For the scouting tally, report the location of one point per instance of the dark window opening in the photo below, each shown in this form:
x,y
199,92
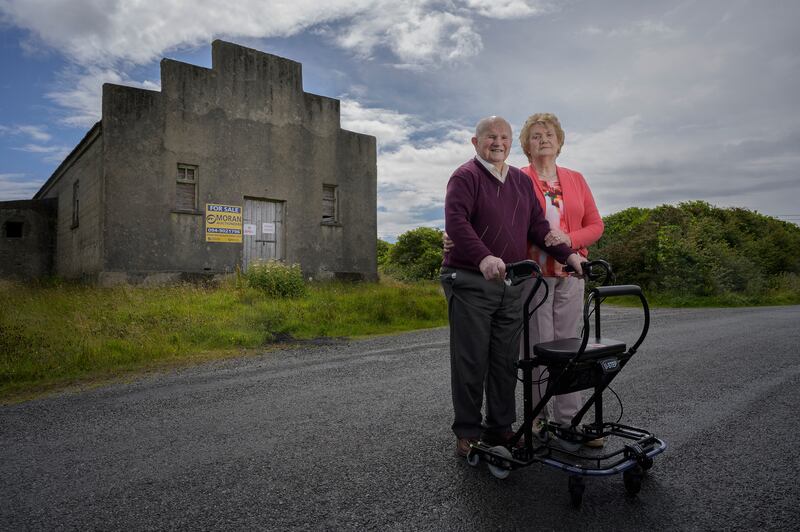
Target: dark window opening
x,y
75,204
186,188
12,229
330,201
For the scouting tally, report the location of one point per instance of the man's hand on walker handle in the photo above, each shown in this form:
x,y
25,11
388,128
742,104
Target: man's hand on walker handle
x,y
575,261
493,268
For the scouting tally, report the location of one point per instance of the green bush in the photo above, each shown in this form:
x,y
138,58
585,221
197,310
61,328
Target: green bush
x,y
276,279
697,250
383,248
416,256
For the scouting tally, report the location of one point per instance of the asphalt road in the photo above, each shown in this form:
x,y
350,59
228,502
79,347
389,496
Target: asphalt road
x,y
355,435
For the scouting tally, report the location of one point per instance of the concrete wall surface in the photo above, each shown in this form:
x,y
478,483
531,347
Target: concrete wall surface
x,y
79,243
27,238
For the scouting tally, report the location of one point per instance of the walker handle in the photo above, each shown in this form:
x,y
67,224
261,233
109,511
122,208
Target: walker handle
x,y
517,272
618,290
594,270
598,294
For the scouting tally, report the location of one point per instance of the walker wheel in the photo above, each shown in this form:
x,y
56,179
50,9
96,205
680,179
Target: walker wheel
x,y
498,471
473,458
646,463
633,479
576,488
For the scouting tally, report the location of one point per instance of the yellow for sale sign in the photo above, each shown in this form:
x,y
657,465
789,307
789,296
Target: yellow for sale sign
x,y
223,223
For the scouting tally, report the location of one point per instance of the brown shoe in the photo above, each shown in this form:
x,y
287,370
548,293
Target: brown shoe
x,y
463,446
595,443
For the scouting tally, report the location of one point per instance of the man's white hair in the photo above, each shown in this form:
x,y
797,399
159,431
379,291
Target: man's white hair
x,y
484,123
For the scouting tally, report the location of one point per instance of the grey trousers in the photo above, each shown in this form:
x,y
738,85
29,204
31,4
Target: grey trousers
x,y
485,324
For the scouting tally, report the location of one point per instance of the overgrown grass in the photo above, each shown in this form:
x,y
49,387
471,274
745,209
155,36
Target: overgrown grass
x,y
723,300
55,336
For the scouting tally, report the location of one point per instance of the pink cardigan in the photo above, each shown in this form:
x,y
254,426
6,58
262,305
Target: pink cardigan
x,y
584,224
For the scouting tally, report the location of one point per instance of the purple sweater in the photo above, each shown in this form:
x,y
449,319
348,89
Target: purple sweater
x,y
486,217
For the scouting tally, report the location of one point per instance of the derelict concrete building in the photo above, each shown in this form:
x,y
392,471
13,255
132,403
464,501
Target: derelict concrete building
x,y
222,167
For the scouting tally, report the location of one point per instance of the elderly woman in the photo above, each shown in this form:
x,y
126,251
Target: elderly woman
x,y
574,220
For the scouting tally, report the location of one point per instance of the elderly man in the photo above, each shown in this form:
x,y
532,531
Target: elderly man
x,y
490,214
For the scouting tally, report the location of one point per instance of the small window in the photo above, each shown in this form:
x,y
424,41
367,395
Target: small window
x,y
12,229
186,188
76,204
330,204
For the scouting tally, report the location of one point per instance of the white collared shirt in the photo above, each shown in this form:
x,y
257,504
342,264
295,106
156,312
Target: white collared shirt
x,y
500,175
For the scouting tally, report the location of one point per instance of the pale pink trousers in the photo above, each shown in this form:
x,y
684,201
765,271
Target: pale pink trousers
x,y
560,316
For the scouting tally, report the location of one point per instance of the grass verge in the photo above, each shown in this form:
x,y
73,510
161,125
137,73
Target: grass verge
x,y
56,337
65,336
656,299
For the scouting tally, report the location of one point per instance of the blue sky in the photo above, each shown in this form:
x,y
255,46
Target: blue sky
x,y
662,101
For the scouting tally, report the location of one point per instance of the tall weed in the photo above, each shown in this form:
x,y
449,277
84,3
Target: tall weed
x,y
277,279
56,335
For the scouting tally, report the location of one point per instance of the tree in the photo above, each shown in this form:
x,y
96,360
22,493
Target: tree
x,y
384,248
417,255
697,249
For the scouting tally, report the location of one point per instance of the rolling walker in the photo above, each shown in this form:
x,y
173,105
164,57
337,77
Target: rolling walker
x,y
573,364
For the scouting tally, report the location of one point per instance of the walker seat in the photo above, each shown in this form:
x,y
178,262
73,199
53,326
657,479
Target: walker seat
x,y
561,351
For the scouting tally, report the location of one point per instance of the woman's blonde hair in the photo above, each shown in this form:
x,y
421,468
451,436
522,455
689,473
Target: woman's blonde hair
x,y
544,119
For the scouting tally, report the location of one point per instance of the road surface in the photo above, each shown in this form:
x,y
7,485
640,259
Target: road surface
x,y
355,436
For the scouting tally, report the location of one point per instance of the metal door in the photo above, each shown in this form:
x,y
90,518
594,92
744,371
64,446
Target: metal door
x,y
264,237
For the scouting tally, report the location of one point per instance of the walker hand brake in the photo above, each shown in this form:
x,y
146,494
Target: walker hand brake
x,y
594,270
517,272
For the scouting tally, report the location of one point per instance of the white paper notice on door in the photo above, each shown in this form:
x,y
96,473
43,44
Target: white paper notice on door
x,y
268,228
250,229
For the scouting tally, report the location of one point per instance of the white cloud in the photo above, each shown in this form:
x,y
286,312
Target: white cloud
x,y
510,9
101,33
14,186
424,169
103,39
106,33
37,133
625,30
413,178
431,37
80,92
51,154
415,160
36,148
625,162
632,162
418,33
607,150
390,128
